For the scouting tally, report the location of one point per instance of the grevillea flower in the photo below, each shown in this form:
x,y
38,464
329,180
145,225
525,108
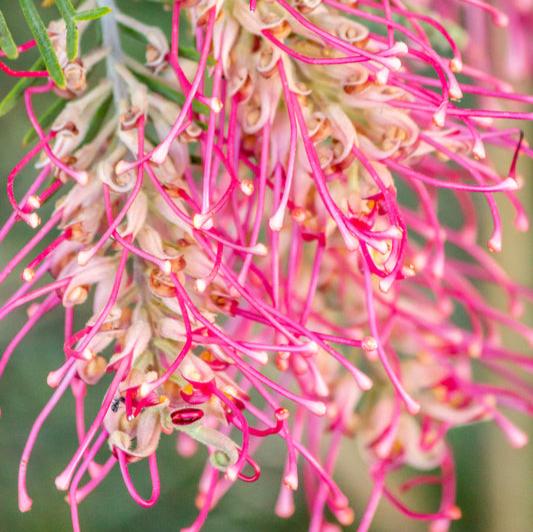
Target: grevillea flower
x,y
252,220
481,19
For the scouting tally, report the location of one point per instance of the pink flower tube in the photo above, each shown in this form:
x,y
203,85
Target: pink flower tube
x,y
257,221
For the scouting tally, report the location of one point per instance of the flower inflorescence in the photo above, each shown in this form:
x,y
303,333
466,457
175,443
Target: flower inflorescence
x,y
229,211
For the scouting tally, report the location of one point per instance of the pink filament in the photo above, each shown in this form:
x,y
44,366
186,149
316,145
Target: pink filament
x,y
154,474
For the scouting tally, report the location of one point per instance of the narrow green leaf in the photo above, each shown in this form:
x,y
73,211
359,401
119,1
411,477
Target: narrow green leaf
x,y
130,32
10,99
39,32
91,14
46,119
67,12
72,39
97,121
161,88
188,52
151,138
7,44
65,8
168,92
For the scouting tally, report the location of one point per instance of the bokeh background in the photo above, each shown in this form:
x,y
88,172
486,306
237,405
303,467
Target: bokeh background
x,y
495,482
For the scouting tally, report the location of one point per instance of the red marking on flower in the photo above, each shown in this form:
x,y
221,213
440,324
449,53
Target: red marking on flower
x,y
186,416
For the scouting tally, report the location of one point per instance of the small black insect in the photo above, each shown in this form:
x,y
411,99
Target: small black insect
x,y
116,403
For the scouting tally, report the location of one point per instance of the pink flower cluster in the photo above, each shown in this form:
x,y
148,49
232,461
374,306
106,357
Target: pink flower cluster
x,y
230,214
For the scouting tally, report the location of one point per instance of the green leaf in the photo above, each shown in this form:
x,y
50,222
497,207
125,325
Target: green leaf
x,y
72,39
97,120
40,34
67,12
194,55
7,44
10,99
130,32
168,92
161,88
151,138
65,8
91,14
46,119
188,52
72,19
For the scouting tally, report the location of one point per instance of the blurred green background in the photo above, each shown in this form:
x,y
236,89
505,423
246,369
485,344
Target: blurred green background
x,y
494,485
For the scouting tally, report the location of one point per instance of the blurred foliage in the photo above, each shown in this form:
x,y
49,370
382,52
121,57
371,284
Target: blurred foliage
x,y
494,482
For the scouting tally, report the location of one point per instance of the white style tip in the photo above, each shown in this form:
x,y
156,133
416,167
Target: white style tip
x,y
84,257
34,220
201,285
260,249
62,481
25,502
276,222
160,153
